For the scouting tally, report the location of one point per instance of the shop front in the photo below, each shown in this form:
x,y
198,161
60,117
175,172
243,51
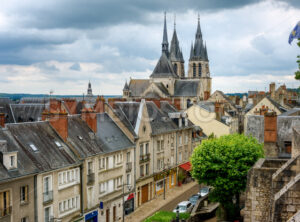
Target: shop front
x,y
91,217
185,170
129,204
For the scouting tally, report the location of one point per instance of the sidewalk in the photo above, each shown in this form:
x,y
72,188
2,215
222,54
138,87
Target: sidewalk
x,y
149,208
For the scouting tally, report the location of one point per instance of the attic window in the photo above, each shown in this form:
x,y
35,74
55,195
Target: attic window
x,y
33,147
58,144
80,137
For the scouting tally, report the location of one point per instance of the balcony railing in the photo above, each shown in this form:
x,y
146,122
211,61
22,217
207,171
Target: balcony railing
x,y
144,158
5,211
91,178
128,166
47,196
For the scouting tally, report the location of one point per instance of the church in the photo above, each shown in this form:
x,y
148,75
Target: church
x,y
169,80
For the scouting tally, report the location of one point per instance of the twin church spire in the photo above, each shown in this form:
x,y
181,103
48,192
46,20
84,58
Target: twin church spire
x,y
198,52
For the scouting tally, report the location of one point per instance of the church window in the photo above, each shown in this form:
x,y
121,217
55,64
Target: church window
x,y
194,70
207,69
200,70
175,68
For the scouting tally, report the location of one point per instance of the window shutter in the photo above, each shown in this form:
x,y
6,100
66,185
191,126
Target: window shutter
x,y
26,193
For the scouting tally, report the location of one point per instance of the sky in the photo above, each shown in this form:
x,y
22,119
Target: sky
x,y
61,45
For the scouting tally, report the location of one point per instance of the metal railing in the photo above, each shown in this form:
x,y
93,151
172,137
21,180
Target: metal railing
x,y
91,178
145,157
47,196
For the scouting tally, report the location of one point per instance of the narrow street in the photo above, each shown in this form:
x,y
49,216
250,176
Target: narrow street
x,y
185,196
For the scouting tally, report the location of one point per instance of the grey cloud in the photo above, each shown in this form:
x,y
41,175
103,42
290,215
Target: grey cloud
x,y
75,66
45,67
262,44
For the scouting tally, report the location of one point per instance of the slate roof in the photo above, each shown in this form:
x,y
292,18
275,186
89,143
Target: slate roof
x,y
198,51
25,166
277,105
138,86
130,110
81,138
163,68
175,52
48,156
27,112
121,115
110,135
292,112
162,88
5,108
209,106
186,88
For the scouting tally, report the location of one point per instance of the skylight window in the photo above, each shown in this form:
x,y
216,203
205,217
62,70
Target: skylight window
x,y
33,147
80,137
58,144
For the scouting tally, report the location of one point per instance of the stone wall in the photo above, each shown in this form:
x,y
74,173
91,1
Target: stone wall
x,y
285,126
255,127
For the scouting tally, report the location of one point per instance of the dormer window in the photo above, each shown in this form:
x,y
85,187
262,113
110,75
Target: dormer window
x,y
58,144
33,147
12,161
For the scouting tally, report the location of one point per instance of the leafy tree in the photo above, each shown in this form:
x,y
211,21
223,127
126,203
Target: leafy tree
x,y
297,73
223,163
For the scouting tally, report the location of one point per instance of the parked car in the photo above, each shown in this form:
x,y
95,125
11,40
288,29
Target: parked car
x,y
194,198
184,207
204,191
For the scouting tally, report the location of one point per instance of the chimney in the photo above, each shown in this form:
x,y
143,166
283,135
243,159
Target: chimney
x,y
272,90
218,110
99,105
90,117
270,131
176,103
281,99
206,95
59,121
71,105
55,106
2,120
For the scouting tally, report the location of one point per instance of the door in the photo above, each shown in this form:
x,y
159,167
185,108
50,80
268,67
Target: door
x,y
114,214
107,215
144,193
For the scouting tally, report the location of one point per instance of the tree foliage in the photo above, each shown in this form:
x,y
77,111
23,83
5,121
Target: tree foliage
x,y
223,163
297,73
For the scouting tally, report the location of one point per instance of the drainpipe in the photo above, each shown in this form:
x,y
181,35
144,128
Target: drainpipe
x,y
134,158
81,188
35,198
176,159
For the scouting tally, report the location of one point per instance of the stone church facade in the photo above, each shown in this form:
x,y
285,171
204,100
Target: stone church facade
x,y
168,79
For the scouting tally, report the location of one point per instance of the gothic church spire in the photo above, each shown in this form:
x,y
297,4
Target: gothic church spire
x,y
165,43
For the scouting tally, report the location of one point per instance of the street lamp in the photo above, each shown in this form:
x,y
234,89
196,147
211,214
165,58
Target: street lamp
x,y
165,170
129,188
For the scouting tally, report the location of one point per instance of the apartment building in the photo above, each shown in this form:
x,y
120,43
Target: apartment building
x,y
158,152
16,181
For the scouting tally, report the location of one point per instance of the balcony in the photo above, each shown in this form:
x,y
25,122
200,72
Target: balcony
x,y
128,167
5,211
145,158
90,178
47,196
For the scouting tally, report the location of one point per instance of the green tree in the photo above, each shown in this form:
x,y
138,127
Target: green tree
x,y
297,73
223,163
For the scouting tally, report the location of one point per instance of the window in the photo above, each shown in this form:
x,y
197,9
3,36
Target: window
x,y
159,185
172,179
142,170
194,70
199,70
186,139
33,147
141,149
147,169
180,140
69,206
147,148
128,159
158,145
180,156
207,69
47,213
162,145
288,146
90,167
128,179
4,203
24,194
172,160
80,137
12,161
24,219
47,184
58,144
101,163
110,162
175,68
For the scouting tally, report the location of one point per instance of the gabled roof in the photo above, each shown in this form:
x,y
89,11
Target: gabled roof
x,y
25,166
164,68
42,136
110,135
186,88
81,138
138,86
130,110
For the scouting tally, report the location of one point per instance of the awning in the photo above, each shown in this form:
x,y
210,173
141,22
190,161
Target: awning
x,y
130,196
186,166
